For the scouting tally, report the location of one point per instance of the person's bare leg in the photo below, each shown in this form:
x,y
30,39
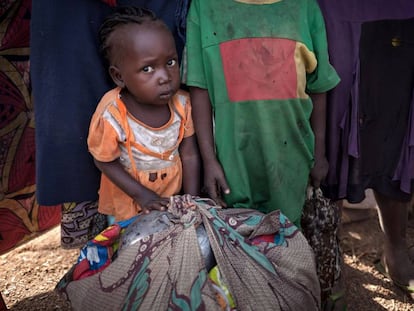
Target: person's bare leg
x,y
411,223
393,217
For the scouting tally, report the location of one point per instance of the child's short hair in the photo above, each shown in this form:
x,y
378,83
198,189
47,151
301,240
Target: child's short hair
x,y
122,16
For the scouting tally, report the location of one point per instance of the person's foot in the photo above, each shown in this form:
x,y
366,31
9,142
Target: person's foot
x,y
398,266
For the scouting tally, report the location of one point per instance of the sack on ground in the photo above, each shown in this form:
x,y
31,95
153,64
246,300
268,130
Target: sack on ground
x,y
264,261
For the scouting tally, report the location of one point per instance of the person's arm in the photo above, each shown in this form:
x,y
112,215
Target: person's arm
x,y
318,123
214,179
190,158
147,199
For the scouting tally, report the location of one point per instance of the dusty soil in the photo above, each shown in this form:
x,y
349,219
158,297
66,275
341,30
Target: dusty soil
x,y
30,272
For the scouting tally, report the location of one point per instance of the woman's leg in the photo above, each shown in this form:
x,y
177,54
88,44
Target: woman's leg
x,y
393,216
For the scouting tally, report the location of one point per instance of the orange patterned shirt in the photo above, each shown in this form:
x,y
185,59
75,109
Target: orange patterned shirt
x,y
149,154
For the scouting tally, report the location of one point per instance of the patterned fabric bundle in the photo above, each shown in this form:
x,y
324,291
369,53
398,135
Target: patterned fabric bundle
x,y
320,223
166,271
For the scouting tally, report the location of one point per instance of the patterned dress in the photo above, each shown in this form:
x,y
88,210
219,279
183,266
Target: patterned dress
x,y
20,214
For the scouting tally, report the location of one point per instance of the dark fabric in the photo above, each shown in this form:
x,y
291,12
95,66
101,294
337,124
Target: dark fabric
x,y
386,87
20,214
68,80
3,306
343,25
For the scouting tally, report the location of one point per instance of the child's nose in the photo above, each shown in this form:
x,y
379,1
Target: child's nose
x,y
164,76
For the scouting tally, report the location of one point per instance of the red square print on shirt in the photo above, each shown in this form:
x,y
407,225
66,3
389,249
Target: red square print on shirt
x,y
259,68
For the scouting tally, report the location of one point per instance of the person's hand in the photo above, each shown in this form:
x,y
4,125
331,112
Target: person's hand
x,y
215,182
319,171
151,201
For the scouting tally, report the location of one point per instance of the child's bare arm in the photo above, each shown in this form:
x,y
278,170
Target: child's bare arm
x,y
190,158
147,199
318,123
214,179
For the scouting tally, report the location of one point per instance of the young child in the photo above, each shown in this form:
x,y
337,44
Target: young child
x,y
141,135
260,69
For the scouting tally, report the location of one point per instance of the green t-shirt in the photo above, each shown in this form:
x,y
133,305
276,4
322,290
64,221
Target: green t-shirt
x,y
259,62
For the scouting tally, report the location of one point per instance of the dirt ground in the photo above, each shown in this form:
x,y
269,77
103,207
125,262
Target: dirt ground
x,y
30,272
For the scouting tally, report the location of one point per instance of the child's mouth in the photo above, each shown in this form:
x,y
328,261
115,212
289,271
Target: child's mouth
x,y
166,95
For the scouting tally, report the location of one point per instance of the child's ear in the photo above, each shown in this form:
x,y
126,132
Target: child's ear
x,y
116,76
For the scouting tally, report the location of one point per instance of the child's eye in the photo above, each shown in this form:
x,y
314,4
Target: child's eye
x,y
171,62
147,69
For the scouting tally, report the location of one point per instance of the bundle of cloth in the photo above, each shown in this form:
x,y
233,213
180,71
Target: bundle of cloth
x,y
241,259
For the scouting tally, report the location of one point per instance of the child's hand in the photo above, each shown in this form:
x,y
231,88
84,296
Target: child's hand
x,y
152,201
319,171
215,182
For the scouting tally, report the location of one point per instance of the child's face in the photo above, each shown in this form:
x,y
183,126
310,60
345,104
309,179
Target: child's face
x,y
145,63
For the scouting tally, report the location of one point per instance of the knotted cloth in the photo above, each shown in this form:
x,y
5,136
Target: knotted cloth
x,y
166,271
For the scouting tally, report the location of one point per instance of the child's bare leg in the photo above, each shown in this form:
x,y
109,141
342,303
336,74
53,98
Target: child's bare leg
x,y
393,217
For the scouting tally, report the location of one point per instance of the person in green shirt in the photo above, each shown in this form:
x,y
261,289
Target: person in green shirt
x,y
258,72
